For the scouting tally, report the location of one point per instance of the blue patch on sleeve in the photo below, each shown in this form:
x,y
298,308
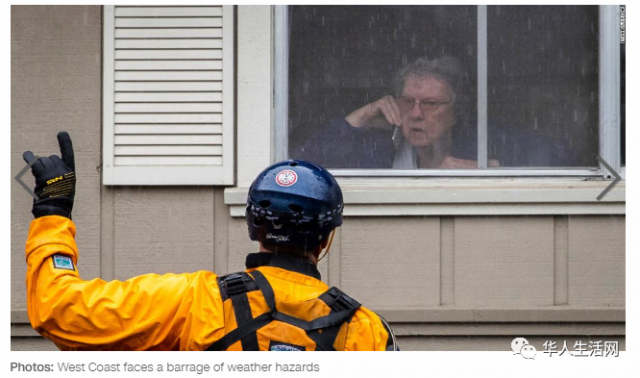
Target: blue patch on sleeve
x,y
63,262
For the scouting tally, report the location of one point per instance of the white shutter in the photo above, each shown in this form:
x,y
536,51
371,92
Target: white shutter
x,y
168,95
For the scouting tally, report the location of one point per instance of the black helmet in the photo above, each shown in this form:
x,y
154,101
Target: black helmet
x,y
294,203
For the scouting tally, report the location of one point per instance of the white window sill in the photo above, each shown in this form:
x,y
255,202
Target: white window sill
x,y
465,196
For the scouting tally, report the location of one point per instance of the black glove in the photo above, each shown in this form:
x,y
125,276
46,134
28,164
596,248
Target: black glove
x,y
55,180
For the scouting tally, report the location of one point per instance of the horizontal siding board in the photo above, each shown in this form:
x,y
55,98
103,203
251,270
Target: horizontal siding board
x,y
167,139
168,108
168,118
168,160
169,33
168,129
169,97
167,86
168,11
504,261
168,76
162,65
168,54
168,43
210,150
186,22
597,267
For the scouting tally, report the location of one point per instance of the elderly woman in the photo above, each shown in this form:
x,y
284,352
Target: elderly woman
x,y
409,130
429,101
426,124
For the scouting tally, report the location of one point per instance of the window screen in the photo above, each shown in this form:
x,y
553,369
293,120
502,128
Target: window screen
x,y
542,86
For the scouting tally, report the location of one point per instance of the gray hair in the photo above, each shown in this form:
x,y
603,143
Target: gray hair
x,y
445,68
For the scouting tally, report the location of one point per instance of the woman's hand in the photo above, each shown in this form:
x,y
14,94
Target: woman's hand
x,y
383,113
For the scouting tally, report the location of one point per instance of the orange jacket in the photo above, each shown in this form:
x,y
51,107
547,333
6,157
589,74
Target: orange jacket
x,y
157,312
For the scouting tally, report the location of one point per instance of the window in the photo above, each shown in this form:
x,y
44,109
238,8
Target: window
x,y
168,95
524,90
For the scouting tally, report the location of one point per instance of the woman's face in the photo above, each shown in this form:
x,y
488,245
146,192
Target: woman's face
x,y
424,124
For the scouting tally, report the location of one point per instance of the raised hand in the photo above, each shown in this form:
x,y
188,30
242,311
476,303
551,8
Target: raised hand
x,y
55,180
383,113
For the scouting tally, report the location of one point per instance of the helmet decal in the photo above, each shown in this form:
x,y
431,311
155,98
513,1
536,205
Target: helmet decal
x,y
286,177
278,238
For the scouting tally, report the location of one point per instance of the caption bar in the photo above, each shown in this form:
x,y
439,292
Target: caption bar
x,y
163,368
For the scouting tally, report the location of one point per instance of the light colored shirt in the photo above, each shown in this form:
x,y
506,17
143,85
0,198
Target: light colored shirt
x,y
406,157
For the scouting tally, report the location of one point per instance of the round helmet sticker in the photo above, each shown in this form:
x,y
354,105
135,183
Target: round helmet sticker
x,y
286,178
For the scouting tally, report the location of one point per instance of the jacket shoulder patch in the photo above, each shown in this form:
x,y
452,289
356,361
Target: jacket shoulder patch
x,y
63,262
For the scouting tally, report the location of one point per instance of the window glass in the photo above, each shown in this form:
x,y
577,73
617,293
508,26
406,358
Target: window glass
x,y
543,85
355,72
343,58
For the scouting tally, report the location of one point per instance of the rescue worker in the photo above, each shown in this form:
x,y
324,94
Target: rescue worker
x,y
278,303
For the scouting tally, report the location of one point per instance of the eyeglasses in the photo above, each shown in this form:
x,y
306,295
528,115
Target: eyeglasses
x,y
407,103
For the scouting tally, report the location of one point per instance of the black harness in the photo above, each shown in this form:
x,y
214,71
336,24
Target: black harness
x,y
323,330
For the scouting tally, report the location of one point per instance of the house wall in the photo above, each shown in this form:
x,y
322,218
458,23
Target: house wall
x,y
56,85
444,282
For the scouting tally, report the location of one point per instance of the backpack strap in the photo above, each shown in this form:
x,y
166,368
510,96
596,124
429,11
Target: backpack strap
x,y
247,329
235,283
267,291
236,286
338,301
342,309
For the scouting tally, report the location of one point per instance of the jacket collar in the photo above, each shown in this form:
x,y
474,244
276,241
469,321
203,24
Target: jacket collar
x,y
296,264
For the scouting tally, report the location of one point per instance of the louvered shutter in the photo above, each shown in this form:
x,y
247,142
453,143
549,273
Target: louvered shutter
x,y
168,95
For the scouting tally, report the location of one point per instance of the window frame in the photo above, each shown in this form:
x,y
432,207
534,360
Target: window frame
x,y
392,196
609,106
